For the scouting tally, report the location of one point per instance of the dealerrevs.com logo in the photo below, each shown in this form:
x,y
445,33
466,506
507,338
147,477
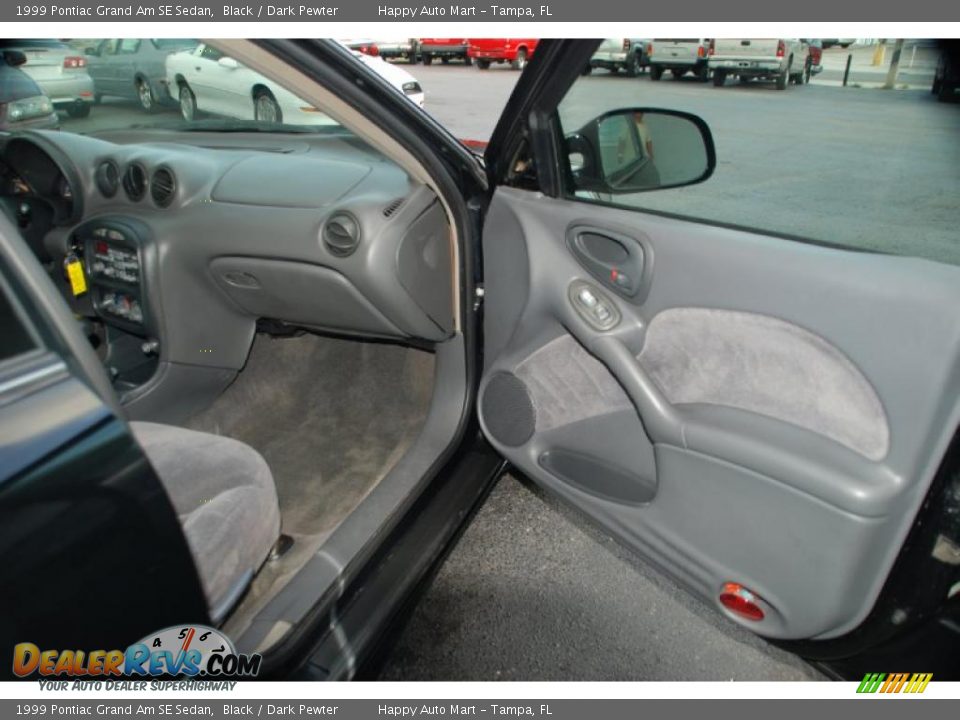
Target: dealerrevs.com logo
x,y
190,650
912,683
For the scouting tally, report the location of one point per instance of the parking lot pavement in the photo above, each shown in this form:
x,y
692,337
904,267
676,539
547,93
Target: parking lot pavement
x,y
534,592
862,167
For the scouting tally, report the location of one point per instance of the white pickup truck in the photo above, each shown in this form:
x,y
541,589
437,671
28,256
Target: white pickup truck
x,y
780,59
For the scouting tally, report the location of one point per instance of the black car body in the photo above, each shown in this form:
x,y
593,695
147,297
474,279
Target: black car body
x,y
852,550
946,80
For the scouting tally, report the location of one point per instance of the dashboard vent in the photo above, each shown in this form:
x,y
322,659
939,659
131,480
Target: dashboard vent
x,y
341,234
392,207
135,182
163,186
107,178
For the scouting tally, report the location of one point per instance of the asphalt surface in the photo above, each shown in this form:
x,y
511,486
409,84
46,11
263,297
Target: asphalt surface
x,y
533,591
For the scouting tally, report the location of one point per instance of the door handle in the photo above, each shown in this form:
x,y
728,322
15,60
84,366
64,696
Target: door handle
x,y
618,261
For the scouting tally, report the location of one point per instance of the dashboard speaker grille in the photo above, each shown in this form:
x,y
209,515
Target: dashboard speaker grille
x,y
392,207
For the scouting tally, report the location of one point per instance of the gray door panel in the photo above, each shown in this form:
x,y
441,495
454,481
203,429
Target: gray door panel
x,y
762,411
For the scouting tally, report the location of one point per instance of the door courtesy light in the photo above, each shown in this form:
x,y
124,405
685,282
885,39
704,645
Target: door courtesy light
x,y
740,601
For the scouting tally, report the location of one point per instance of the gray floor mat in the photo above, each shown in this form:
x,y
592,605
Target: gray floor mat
x,y
534,592
330,417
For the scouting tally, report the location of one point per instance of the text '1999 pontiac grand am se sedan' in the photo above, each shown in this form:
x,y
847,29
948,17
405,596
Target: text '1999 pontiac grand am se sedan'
x,y
255,376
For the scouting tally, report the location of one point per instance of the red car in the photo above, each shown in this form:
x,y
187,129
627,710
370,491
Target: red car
x,y
444,49
490,50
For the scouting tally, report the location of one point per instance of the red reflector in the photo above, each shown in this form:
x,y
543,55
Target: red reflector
x,y
737,599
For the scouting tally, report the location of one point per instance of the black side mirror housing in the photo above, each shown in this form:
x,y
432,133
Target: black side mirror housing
x,y
640,149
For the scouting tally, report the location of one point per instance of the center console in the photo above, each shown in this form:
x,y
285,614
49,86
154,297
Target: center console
x,y
113,251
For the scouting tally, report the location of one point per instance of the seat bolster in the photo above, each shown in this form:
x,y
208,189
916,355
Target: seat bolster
x,y
226,499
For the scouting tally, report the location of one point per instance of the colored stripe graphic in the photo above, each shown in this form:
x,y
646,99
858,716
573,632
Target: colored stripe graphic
x,y
894,683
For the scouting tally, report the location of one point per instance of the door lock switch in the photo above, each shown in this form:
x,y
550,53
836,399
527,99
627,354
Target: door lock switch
x,y
593,306
621,279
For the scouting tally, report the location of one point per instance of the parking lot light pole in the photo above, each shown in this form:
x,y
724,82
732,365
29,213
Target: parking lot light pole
x,y
894,66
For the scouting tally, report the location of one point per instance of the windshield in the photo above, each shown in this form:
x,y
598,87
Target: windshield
x,y
110,84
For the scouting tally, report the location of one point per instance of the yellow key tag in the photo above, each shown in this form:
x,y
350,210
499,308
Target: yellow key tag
x,y
78,282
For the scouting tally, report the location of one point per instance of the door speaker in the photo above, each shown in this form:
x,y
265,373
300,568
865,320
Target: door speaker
x,y
508,410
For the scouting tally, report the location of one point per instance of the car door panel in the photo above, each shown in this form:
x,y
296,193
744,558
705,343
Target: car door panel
x,y
766,412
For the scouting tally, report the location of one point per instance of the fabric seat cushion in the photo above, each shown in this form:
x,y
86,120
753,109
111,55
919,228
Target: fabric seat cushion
x,y
224,494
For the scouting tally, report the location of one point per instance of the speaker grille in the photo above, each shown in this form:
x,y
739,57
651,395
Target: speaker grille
x,y
508,411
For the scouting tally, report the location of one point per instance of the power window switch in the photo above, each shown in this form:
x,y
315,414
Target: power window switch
x,y
588,299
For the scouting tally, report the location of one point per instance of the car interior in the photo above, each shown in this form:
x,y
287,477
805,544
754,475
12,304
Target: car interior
x,y
273,313
761,418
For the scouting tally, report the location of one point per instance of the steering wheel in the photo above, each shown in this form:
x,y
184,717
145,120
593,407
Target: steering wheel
x,y
33,218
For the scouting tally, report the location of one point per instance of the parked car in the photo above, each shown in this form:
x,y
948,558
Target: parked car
x,y
842,42
363,45
206,81
946,79
517,52
680,56
22,102
784,60
816,55
406,49
379,323
615,54
445,49
60,73
134,69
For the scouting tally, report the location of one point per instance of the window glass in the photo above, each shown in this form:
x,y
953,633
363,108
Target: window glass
x,y
129,45
861,167
176,83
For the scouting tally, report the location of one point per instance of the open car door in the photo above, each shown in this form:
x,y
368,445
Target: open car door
x,y
768,421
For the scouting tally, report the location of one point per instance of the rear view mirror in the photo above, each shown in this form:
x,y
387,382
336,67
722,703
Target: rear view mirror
x,y
14,58
640,149
228,62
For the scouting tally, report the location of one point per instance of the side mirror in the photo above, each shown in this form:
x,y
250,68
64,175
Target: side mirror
x,y
14,58
228,62
639,149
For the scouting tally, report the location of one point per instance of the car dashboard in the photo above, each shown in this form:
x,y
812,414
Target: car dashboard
x,y
190,241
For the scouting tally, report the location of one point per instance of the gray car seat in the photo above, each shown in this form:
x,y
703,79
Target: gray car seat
x,y
226,500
